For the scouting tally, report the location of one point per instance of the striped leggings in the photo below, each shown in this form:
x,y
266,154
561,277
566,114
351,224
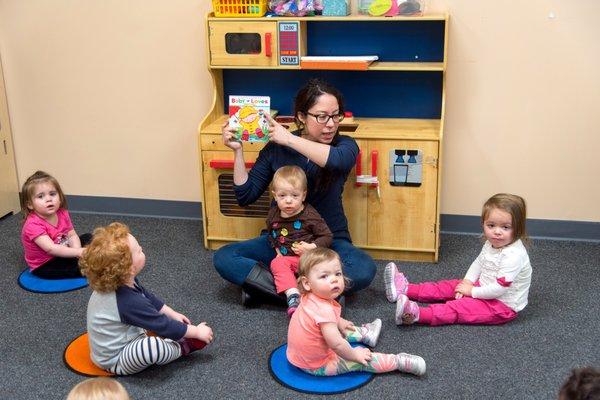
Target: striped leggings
x,y
145,351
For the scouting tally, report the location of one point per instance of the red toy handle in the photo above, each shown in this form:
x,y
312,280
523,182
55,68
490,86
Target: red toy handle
x,y
374,156
268,51
226,164
358,166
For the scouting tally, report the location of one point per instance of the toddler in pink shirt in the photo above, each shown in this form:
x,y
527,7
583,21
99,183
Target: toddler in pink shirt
x,y
319,338
52,247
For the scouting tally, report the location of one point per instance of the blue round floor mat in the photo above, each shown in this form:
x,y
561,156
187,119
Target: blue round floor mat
x,y
32,283
294,378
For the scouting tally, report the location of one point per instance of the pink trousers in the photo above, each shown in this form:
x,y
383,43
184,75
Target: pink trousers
x,y
284,270
448,310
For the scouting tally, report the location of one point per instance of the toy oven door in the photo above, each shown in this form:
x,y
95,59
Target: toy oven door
x,y
225,220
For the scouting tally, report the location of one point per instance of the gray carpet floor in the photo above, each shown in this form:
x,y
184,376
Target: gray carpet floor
x,y
526,359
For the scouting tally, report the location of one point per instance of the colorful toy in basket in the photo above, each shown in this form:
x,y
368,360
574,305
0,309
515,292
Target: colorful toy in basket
x,y
247,116
296,8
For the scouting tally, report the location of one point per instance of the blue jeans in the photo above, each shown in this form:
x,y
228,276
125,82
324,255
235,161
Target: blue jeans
x,y
235,260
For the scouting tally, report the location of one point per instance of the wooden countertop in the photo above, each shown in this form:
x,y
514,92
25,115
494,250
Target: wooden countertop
x,y
368,128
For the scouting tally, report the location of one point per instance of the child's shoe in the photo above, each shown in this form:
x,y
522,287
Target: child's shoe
x,y
410,363
407,311
189,345
246,299
370,332
395,282
293,301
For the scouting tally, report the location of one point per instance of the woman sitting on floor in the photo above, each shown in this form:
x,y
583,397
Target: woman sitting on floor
x,y
327,158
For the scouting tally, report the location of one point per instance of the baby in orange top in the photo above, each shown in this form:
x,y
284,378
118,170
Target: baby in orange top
x,y
318,338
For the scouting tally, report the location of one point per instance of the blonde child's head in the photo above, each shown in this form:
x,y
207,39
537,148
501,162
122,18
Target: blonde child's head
x,y
513,205
98,389
28,191
312,258
289,190
292,175
107,260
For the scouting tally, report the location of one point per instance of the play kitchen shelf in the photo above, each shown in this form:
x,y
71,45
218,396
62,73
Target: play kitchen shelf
x,y
391,198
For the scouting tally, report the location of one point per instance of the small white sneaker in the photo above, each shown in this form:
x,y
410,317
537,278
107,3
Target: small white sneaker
x,y
395,282
412,364
407,311
371,332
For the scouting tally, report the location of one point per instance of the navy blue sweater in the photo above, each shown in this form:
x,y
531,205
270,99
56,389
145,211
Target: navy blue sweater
x,y
327,201
116,318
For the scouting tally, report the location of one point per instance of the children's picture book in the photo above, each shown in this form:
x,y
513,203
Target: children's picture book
x,y
247,115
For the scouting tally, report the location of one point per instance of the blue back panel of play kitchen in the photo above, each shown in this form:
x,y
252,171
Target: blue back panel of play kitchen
x,y
408,41
375,94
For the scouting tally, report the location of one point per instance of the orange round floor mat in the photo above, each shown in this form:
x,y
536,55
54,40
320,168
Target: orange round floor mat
x,y
77,358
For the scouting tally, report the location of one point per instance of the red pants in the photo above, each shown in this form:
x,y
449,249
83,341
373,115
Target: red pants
x,y
284,270
466,310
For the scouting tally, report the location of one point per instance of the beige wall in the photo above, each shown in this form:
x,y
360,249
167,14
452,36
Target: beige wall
x,y
523,106
107,96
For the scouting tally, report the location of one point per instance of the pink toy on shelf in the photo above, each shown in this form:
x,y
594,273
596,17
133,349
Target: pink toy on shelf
x,y
393,9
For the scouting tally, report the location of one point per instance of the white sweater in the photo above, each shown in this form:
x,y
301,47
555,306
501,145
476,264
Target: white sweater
x,y
504,274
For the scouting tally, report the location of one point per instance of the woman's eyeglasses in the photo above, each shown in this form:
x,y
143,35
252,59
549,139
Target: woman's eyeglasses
x,y
324,118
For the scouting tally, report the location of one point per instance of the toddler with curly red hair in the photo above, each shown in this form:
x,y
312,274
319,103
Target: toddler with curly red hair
x,y
121,311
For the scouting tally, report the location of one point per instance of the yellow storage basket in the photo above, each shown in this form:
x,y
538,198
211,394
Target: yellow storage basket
x,y
239,8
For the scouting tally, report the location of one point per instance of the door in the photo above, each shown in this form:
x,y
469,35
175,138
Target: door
x,y
239,43
225,219
355,198
404,215
9,191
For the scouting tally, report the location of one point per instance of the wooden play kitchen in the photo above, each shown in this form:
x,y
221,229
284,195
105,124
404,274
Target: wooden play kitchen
x,y
392,198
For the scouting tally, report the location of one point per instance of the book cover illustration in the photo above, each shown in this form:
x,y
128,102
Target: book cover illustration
x,y
247,116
